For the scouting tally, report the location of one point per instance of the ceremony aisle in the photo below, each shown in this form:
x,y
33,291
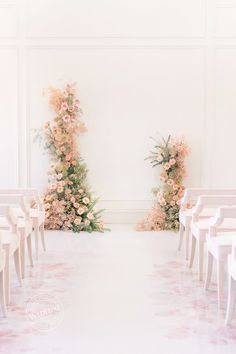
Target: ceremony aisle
x,y
121,292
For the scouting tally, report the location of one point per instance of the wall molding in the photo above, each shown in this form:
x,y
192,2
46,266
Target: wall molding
x,y
209,42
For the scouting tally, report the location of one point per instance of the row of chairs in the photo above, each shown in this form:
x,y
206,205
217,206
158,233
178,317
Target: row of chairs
x,y
21,212
208,217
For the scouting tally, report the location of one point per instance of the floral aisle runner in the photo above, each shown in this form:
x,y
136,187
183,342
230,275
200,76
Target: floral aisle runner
x,y
68,203
170,155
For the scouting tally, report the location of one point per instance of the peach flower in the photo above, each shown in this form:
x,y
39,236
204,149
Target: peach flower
x,y
85,200
59,189
167,166
170,182
80,210
77,221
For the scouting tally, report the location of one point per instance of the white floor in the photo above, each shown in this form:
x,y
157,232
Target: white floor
x,y
121,292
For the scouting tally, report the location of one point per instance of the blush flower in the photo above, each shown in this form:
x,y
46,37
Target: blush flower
x,y
85,200
64,106
80,210
66,118
90,216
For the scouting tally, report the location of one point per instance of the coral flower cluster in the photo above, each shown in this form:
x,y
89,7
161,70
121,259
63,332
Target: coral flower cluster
x,y
68,203
164,215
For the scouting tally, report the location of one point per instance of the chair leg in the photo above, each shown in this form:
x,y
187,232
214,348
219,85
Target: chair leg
x,y
22,255
231,300
209,267
187,229
181,235
2,294
7,277
42,236
193,247
36,233
220,283
29,248
200,259
17,262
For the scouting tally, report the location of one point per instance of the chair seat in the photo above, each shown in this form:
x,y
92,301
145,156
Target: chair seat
x,y
4,225
34,214
200,228
26,225
185,216
11,240
220,246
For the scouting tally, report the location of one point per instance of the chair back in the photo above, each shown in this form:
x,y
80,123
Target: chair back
x,y
29,193
191,195
205,201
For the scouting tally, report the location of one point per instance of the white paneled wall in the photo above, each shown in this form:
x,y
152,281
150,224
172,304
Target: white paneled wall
x,y
142,67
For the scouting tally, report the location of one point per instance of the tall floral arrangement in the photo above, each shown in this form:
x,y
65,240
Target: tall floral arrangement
x,y
68,203
169,154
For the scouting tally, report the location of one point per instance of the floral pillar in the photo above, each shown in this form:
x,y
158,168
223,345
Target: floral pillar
x,y
68,203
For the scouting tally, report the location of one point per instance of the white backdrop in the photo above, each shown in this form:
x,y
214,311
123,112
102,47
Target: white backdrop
x,y
141,67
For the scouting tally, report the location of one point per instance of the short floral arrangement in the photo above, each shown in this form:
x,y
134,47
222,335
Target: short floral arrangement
x,y
68,203
170,155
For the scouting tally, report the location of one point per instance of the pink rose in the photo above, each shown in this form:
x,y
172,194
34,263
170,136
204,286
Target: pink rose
x,y
64,106
53,186
87,222
46,125
90,216
66,118
76,205
172,161
77,102
72,199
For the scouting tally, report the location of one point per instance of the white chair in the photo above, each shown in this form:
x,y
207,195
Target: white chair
x,y
219,246
2,280
231,284
24,224
186,211
37,213
10,239
199,227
